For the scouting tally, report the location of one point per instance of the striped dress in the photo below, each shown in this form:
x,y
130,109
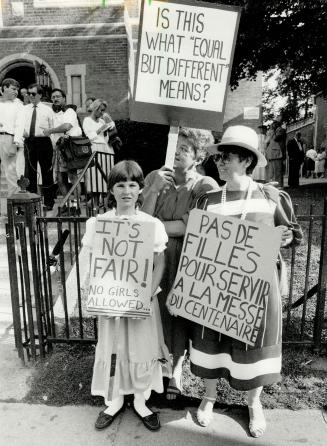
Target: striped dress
x,y
214,355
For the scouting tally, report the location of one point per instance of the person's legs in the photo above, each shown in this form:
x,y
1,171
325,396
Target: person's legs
x,y
140,406
150,419
174,386
31,165
205,410
114,406
257,424
269,171
63,184
8,154
45,156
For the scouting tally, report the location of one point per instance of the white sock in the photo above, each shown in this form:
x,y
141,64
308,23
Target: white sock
x,y
139,405
114,406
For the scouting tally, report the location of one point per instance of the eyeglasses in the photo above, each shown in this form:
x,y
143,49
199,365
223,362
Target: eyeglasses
x,y
30,93
223,157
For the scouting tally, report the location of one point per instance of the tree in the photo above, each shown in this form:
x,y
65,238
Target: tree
x,y
288,98
286,34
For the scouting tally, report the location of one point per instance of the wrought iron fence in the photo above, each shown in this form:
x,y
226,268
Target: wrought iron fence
x,y
46,275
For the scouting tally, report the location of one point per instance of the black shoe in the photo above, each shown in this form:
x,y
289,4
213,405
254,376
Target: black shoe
x,y
151,422
63,211
104,420
74,211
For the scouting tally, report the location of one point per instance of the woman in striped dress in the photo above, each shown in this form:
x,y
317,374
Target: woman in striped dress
x,y
214,355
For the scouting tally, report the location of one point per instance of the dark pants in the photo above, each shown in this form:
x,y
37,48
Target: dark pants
x,y
293,172
40,150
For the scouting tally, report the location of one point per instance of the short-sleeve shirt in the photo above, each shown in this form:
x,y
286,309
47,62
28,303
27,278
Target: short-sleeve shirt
x,y
66,117
176,202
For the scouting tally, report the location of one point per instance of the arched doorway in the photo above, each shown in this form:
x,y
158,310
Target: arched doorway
x,y
27,69
23,73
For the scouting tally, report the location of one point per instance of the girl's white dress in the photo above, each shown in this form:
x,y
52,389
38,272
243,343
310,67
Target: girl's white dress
x,y
99,144
141,347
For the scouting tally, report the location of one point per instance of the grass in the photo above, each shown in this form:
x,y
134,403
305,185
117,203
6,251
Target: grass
x,y
65,377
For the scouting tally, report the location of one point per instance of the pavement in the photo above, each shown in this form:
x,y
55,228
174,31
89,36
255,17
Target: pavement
x,y
24,424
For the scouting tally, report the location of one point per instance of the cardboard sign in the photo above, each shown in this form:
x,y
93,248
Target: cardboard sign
x,y
121,268
184,60
224,274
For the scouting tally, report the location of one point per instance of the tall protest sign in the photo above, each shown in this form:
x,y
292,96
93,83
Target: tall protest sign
x,y
224,274
184,61
121,268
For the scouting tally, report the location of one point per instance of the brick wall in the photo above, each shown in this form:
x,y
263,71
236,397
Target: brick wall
x,y
105,57
53,16
248,94
106,65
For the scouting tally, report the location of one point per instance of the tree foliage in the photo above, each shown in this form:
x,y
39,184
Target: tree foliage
x,y
285,34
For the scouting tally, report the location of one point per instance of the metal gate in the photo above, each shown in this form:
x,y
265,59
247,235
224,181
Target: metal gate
x,y
48,296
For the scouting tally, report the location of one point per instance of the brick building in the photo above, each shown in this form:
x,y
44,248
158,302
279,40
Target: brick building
x,y
84,47
87,48
81,49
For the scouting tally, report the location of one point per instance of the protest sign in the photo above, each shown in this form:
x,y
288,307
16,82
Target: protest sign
x,y
184,60
121,268
224,274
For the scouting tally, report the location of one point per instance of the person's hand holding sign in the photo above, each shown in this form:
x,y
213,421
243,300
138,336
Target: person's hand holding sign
x,y
287,235
169,307
163,179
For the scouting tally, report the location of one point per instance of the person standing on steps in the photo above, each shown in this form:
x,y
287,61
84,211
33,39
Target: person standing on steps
x,y
11,134
38,147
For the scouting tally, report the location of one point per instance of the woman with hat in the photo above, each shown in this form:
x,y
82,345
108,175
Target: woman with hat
x,y
214,355
169,195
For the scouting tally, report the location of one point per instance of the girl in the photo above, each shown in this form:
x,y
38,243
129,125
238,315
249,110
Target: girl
x,y
141,349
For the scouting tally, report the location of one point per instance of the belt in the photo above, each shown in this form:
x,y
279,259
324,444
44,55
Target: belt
x,y
6,133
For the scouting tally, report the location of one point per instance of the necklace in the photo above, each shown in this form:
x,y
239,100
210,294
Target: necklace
x,y
248,196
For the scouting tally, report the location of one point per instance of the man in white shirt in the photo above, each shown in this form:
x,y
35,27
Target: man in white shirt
x,y
38,148
65,122
11,133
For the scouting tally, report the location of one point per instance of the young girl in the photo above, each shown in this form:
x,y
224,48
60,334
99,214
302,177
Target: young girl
x,y
140,347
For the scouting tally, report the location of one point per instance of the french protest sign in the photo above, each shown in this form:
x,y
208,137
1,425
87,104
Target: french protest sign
x,y
224,274
121,268
184,60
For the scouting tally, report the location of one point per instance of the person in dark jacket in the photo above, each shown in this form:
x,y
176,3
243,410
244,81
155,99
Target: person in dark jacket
x,y
296,158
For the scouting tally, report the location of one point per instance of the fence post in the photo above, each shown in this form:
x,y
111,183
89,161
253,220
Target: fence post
x,y
322,285
22,208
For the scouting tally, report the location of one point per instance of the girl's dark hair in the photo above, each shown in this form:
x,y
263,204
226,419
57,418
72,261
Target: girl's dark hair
x,y
127,170
243,154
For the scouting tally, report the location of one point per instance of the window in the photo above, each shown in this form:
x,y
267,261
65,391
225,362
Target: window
x,y
77,98
73,3
76,85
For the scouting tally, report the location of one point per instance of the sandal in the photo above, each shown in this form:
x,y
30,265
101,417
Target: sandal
x,y
204,413
257,425
172,390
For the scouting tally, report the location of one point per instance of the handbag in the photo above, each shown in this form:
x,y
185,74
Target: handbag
x,y
75,150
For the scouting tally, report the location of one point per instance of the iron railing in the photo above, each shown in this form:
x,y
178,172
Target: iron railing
x,y
43,280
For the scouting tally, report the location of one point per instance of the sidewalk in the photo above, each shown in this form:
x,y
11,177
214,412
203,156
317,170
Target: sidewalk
x,y
32,425
35,425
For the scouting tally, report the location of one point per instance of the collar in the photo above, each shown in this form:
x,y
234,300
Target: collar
x,y
190,175
58,108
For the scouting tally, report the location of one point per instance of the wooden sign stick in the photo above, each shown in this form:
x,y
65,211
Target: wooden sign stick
x,y
113,362
171,146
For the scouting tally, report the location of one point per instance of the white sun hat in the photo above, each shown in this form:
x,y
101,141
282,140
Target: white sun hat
x,y
241,136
